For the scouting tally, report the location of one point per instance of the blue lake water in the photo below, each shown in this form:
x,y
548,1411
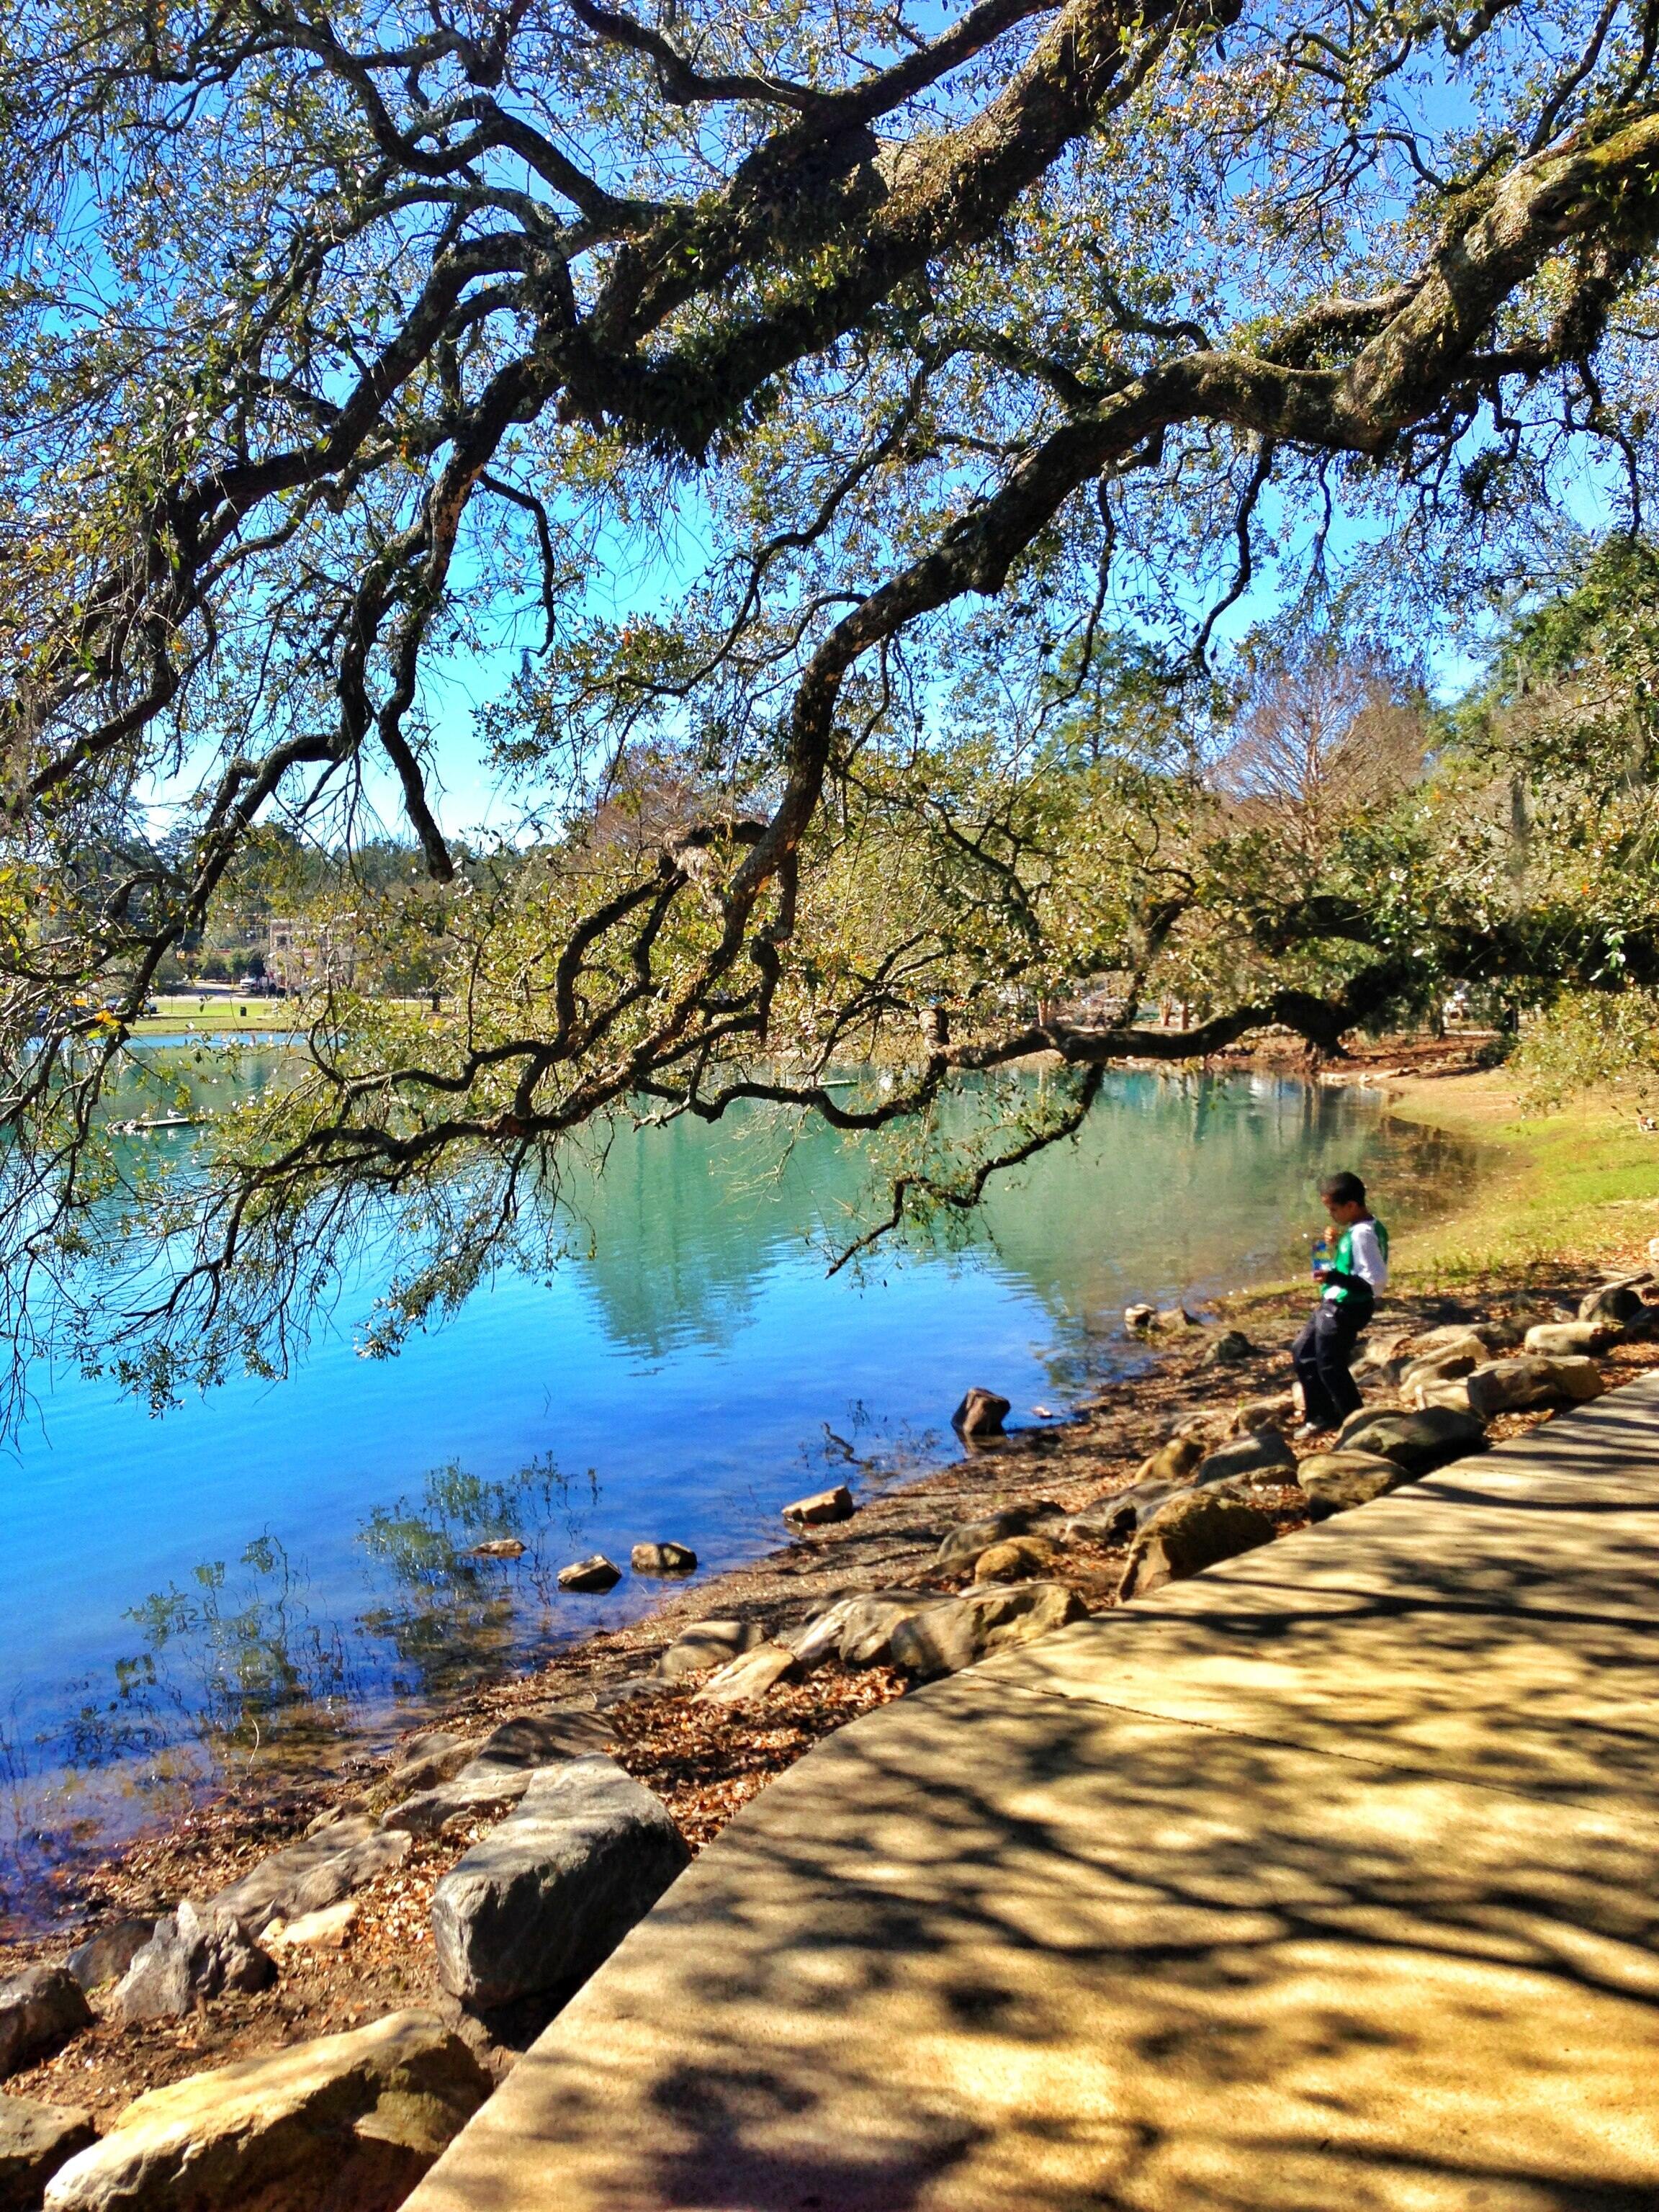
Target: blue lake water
x,y
275,1569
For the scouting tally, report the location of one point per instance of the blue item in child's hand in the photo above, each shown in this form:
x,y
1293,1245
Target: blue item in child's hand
x,y
1322,1256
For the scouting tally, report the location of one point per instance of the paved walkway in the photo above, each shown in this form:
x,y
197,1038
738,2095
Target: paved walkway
x,y
1328,1881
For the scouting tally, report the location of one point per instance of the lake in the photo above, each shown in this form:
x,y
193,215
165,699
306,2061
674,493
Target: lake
x,y
277,1569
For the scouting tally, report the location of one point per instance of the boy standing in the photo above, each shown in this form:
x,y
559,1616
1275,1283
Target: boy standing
x,y
1357,1270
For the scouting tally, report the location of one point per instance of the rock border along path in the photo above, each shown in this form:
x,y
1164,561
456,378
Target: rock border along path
x,y
1327,1879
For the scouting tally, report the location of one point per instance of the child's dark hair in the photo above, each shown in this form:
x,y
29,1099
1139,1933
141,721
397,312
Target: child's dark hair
x,y
1346,1189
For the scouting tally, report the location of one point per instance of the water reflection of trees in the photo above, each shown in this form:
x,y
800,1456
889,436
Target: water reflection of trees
x,y
453,1615
247,1663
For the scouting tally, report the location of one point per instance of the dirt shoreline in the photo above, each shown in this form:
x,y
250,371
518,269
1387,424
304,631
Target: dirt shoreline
x,y
705,1761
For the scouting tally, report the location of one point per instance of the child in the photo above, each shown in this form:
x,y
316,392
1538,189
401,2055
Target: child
x,y
1357,1270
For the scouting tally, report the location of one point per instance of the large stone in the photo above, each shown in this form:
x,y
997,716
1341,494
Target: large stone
x,y
1621,1302
35,2139
970,1538
473,1793
429,1760
1231,1349
822,1507
1114,1520
708,1643
106,1956
748,1677
591,1576
344,2124
315,1932
981,1413
854,1629
943,1638
1496,1335
1195,1531
1569,1340
1508,1386
304,1877
39,2010
663,1559
508,1758
538,1738
1452,1391
1420,1441
1338,1481
1258,1452
1016,1560
1175,1460
548,1896
1446,1363
1259,1413
196,1952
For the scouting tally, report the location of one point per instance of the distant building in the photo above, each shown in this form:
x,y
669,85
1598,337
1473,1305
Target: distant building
x,y
303,956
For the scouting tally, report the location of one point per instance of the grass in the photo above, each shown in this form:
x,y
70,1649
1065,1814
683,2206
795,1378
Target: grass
x,y
1552,1190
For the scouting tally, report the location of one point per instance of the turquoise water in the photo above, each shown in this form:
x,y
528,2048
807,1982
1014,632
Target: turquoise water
x,y
272,1570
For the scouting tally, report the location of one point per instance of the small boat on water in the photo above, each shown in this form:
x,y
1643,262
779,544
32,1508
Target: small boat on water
x,y
162,1122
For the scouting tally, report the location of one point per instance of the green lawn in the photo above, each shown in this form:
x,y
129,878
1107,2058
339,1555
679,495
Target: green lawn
x,y
1578,1185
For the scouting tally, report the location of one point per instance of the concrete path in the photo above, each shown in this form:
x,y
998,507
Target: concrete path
x,y
1328,1881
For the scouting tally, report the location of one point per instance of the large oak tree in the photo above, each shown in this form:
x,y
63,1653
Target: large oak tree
x,y
803,448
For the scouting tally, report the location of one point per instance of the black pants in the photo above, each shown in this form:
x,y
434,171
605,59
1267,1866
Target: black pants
x,y
1321,1358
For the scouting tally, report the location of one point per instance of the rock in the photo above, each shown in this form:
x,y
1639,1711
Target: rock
x,y
1260,1414
1137,1320
749,1677
315,1932
1419,1441
1175,1321
1338,1481
1258,1452
41,2009
196,1952
1507,1386
708,1643
1016,1560
969,1538
590,1574
1379,1352
1446,1362
35,2139
1621,1302
854,1629
106,1956
537,1739
981,1413
331,1815
1569,1340
474,1791
1495,1335
1192,1532
303,1877
497,1548
943,1638
1212,1427
345,2121
1229,1350
1445,1390
429,1760
508,1758
821,1507
663,1559
548,1895
1115,1519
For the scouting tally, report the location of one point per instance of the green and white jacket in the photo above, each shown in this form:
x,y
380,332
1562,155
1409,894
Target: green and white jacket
x,y
1359,1265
